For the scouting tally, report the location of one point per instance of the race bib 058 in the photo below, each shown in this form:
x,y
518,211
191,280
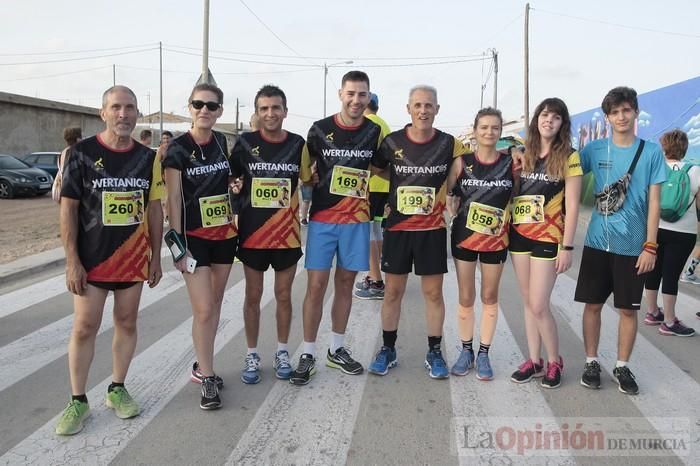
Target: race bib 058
x,y
485,219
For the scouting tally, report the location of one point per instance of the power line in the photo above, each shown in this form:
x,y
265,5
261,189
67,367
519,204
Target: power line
x,y
626,26
66,52
218,72
241,60
269,29
64,60
56,74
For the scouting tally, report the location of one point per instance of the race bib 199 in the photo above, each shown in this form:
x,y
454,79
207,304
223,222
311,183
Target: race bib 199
x,y
122,208
415,200
215,210
485,219
528,209
271,193
349,182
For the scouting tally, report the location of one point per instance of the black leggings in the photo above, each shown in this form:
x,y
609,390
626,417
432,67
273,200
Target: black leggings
x,y
674,248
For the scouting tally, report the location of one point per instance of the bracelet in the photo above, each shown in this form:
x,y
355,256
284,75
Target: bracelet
x,y
567,248
650,251
650,244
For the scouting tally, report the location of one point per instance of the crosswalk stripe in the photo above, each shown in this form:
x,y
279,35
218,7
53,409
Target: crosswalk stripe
x,y
38,292
314,423
30,353
155,376
666,391
479,401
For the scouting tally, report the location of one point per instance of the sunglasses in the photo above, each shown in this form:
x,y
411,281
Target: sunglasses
x,y
211,106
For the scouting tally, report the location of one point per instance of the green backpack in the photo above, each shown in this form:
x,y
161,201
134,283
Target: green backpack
x,y
675,193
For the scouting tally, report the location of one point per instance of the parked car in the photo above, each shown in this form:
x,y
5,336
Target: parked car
x,y
17,177
47,161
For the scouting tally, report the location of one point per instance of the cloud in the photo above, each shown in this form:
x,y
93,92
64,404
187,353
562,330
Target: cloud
x,y
643,123
644,115
694,122
694,133
596,114
694,142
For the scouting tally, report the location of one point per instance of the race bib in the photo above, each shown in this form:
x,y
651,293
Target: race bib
x,y
415,200
349,182
485,219
528,209
271,193
122,208
215,210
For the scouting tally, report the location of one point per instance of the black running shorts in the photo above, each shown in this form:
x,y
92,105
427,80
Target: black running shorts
x,y
602,273
519,244
207,251
113,286
485,257
425,250
262,259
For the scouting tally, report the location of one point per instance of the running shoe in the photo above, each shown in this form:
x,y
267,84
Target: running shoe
x,y
436,365
373,291
210,394
342,360
383,361
305,369
73,417
464,362
364,283
654,319
677,329
197,376
690,278
283,369
527,371
552,379
625,380
591,375
251,370
121,402
483,367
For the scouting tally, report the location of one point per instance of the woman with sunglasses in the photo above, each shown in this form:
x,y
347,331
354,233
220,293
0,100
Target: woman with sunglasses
x,y
545,212
197,176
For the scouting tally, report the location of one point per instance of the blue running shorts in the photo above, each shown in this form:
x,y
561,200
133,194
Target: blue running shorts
x,y
349,241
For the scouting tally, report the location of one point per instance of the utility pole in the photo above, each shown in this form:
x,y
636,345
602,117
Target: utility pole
x,y
114,75
237,115
527,65
495,78
206,76
325,78
160,112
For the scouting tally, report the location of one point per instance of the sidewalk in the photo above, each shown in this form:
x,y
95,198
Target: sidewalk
x,y
30,265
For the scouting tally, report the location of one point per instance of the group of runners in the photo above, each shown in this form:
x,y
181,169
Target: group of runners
x,y
525,202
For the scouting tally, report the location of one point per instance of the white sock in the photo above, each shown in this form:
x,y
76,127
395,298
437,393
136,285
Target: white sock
x,y
590,360
252,350
669,323
310,348
337,341
621,363
282,347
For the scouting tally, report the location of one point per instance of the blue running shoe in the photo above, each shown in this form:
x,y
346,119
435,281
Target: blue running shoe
x,y
465,361
437,367
251,372
383,361
283,369
483,367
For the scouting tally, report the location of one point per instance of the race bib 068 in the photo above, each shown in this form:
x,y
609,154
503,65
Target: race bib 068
x,y
215,210
271,193
485,219
528,209
349,182
415,200
122,208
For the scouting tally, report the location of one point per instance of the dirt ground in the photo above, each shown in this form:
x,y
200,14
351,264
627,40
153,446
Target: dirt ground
x,y
28,225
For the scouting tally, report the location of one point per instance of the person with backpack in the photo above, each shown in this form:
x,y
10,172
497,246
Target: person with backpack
x,y
677,234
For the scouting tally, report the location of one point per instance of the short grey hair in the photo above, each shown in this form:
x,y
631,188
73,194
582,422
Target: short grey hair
x,y
116,88
423,87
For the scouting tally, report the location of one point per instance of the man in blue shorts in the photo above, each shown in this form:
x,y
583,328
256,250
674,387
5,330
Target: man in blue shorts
x,y
340,148
620,245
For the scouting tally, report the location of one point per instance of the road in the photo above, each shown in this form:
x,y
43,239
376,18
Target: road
x,y
403,418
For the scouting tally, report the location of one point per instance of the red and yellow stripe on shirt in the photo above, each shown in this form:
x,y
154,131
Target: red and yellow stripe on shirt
x,y
281,231
128,263
218,233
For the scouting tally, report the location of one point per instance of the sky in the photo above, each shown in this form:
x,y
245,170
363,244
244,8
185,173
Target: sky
x,y
578,51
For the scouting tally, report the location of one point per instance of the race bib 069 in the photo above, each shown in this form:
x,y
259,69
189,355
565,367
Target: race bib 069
x,y
415,200
122,208
271,193
215,210
349,182
485,219
528,209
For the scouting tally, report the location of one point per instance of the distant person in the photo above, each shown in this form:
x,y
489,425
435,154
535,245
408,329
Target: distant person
x,y
146,137
165,138
372,286
676,240
620,245
108,179
254,122
71,135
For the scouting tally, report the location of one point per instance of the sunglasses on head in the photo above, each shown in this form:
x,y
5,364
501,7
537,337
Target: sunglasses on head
x,y
211,106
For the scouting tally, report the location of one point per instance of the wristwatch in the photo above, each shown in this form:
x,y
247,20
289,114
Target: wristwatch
x,y
567,248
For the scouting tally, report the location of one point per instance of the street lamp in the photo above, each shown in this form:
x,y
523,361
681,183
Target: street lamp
x,y
238,106
325,79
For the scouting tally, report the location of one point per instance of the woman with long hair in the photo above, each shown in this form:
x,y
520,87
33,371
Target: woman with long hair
x,y
545,212
197,177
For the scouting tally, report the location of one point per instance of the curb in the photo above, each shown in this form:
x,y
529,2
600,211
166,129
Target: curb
x,y
30,265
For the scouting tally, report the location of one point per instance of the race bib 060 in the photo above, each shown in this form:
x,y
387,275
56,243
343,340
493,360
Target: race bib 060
x,y
415,200
528,209
349,182
122,208
485,219
271,193
215,210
